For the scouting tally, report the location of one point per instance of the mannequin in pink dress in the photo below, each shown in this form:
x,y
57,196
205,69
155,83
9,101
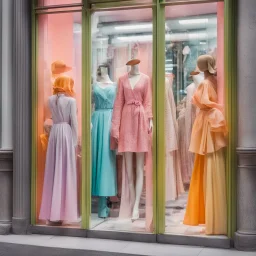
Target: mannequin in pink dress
x,y
131,125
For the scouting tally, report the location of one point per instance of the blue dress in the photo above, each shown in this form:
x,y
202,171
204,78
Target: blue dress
x,y
103,158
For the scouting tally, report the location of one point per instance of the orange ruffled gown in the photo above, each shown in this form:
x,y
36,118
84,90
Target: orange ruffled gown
x,y
207,194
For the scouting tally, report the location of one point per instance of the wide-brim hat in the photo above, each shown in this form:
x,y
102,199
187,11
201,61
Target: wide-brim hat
x,y
133,62
59,67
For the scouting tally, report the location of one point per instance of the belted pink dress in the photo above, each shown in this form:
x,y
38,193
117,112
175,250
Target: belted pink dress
x,y
131,113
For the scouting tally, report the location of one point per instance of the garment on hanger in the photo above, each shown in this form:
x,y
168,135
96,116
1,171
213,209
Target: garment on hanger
x,y
131,114
190,115
59,200
103,158
207,194
174,186
182,151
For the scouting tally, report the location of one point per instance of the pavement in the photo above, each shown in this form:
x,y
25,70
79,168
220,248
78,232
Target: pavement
x,y
44,245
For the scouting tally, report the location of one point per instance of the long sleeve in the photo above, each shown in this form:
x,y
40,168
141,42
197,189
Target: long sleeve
x,y
117,111
148,100
74,123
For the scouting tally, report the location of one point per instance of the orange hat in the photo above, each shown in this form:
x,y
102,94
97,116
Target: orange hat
x,y
59,67
133,62
64,84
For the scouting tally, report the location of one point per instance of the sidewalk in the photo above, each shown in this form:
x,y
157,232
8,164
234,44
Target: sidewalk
x,y
40,245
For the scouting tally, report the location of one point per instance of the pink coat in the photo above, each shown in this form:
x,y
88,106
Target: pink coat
x,y
131,114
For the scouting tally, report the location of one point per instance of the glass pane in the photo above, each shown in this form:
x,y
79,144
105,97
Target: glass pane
x,y
195,191
59,119
121,121
57,2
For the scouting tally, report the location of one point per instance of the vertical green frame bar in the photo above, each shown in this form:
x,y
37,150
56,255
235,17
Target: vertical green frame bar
x,y
230,45
34,113
159,131
86,113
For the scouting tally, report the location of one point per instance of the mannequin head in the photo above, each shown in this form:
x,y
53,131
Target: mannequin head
x,y
102,74
64,84
134,64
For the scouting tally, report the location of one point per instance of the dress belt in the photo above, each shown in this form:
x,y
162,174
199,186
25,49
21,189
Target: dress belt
x,y
61,123
102,109
136,106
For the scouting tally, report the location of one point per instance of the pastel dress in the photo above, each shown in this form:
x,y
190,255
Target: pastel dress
x,y
103,158
132,111
59,198
173,178
207,194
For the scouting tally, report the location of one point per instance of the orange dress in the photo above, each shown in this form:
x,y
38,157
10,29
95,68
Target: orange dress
x,y
207,194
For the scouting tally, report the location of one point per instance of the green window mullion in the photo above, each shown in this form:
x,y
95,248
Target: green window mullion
x,y
159,94
86,114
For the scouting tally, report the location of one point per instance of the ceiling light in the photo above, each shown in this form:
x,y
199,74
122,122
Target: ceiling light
x,y
134,27
202,42
135,38
193,21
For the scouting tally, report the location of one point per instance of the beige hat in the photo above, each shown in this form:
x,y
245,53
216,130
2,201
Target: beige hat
x,y
205,63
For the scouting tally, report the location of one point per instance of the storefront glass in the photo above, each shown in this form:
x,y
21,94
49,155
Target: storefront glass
x,y
195,126
122,102
122,185
59,119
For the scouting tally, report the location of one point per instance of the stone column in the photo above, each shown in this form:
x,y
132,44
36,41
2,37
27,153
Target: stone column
x,y
245,237
22,114
6,170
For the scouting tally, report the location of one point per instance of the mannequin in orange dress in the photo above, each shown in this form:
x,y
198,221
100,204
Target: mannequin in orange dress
x,y
207,195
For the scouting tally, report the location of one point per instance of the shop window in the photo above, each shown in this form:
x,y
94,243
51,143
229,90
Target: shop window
x,y
195,126
57,2
122,189
59,112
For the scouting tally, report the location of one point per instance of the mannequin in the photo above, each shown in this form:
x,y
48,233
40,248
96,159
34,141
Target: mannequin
x,y
102,75
134,77
131,125
207,194
59,199
103,158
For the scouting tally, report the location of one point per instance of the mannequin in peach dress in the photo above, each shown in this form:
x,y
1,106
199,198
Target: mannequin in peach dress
x,y
207,194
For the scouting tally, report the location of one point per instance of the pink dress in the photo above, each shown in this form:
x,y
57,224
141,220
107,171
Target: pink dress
x,y
131,114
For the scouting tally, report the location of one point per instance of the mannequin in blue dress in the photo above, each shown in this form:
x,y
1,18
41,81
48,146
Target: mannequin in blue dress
x,y
103,158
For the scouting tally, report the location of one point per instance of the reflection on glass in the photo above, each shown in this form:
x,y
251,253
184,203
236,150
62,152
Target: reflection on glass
x,y
122,121
57,2
58,120
192,31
